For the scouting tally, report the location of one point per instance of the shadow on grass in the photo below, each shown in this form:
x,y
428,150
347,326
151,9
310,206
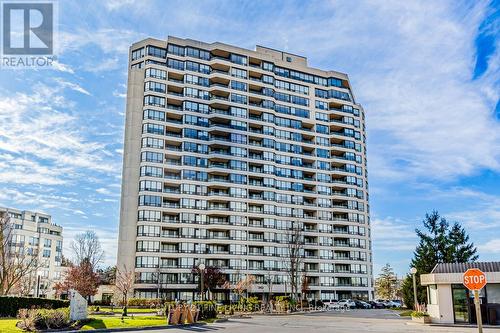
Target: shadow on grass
x,y
96,323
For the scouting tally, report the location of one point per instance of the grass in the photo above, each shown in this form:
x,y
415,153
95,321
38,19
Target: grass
x,y
8,325
97,322
129,310
406,313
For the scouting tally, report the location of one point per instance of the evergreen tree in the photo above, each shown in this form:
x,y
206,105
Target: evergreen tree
x,y
438,244
386,283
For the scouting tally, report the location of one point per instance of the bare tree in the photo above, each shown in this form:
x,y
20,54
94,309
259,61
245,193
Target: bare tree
x,y
86,246
16,262
124,282
295,247
26,285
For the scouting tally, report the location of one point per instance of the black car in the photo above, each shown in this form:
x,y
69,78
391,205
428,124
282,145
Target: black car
x,y
362,305
377,305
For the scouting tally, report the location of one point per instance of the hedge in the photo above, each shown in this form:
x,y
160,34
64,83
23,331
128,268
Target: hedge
x,y
9,306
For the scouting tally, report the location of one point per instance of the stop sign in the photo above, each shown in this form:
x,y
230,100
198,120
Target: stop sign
x,y
474,279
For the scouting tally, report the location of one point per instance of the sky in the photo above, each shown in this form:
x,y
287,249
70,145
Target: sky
x,y
426,72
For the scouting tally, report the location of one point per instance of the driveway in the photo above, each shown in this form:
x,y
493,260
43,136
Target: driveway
x,y
354,321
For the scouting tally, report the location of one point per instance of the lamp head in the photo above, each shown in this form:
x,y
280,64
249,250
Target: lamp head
x,y
201,267
413,270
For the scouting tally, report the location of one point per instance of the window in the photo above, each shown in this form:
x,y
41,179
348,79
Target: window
x,y
155,86
175,49
238,85
239,73
149,156
175,64
46,253
156,73
153,129
154,101
238,59
149,185
154,115
156,52
151,171
149,215
197,67
197,53
196,80
137,54
237,98
196,107
150,200
47,242
267,66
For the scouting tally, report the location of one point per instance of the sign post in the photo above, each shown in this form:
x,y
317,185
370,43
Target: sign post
x,y
475,280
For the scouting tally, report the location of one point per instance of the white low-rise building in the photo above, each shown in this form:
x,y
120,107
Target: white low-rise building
x,y
450,302
36,233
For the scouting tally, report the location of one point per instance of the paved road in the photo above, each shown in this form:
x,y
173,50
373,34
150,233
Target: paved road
x,y
379,321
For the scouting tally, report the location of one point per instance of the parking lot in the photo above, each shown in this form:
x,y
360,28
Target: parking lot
x,y
375,321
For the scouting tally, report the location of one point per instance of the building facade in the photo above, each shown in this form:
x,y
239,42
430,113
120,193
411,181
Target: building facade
x,y
37,235
450,302
229,150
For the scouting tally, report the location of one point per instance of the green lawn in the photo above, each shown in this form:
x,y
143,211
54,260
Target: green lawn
x,y
119,310
110,322
8,326
406,313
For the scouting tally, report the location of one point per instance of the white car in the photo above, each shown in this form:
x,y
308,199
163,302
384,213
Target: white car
x,y
347,303
331,304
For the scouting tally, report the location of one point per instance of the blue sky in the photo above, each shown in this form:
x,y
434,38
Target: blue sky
x,y
427,73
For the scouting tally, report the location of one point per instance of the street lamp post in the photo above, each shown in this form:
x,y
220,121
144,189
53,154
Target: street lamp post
x,y
413,271
38,277
201,268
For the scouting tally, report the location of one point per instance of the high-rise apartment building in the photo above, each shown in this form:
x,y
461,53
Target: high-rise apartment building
x,y
35,234
227,152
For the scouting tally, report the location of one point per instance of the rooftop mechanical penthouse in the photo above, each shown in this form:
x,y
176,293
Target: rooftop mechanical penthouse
x,y
228,150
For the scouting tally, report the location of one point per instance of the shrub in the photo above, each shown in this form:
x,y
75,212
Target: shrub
x,y
208,309
9,306
27,319
419,314
145,302
41,319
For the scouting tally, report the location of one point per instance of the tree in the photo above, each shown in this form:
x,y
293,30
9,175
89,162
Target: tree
x,y
304,287
244,284
107,275
87,247
124,283
438,244
213,277
295,249
82,278
16,262
386,283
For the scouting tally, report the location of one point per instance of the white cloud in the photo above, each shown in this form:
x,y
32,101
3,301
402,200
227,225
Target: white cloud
x,y
72,86
490,247
62,67
393,234
411,65
40,144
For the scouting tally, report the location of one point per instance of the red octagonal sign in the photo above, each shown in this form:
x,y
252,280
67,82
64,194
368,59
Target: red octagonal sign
x,y
474,279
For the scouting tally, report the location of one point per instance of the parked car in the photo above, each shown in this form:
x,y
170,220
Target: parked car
x,y
331,304
362,304
390,304
377,305
347,303
398,303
